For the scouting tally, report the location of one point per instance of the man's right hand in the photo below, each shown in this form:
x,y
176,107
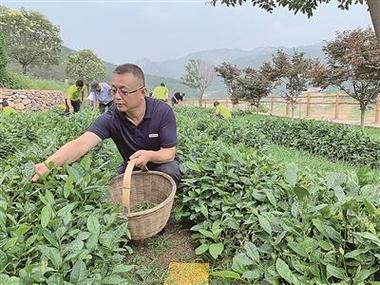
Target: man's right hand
x,y
40,169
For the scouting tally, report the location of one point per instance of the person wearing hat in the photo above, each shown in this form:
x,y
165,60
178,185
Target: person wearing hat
x,y
74,96
100,96
221,110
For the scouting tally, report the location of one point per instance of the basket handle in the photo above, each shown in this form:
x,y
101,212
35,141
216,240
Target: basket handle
x,y
127,184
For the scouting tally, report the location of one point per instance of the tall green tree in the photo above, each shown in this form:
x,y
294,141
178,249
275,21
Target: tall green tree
x,y
31,39
309,6
86,65
248,85
290,71
230,73
353,65
198,75
252,86
3,61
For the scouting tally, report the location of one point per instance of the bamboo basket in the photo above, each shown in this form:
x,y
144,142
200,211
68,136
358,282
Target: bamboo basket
x,y
143,186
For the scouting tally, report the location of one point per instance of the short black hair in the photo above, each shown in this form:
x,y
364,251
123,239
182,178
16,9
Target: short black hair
x,y
216,103
162,84
79,83
131,68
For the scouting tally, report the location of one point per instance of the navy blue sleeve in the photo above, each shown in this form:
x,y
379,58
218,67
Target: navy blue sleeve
x,y
102,126
168,130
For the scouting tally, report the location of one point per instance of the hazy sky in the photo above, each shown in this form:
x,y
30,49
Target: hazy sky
x,y
123,31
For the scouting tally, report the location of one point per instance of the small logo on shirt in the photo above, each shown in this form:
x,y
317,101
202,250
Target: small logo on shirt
x,y
153,135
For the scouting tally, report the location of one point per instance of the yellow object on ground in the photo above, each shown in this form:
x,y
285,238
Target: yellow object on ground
x,y
61,106
187,274
8,110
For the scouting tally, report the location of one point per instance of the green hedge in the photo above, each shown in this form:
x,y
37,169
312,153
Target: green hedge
x,y
337,142
19,81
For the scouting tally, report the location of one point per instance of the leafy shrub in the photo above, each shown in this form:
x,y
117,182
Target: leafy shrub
x,y
19,81
62,229
337,142
278,225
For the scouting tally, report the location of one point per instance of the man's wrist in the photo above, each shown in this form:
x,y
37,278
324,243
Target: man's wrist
x,y
151,155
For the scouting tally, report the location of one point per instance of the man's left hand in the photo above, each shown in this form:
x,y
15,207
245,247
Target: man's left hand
x,y
142,157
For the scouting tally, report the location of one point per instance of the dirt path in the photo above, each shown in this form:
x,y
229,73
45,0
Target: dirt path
x,y
152,257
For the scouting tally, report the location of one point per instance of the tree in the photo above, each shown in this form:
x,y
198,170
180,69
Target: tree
x,y
289,71
229,72
252,86
31,39
247,85
353,65
198,75
309,6
84,64
3,60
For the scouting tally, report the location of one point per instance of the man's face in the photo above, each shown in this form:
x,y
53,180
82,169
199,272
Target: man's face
x,y
128,92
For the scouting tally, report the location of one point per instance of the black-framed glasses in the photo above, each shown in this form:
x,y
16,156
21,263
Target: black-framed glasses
x,y
124,92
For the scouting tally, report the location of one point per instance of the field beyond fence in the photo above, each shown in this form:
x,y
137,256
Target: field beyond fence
x,y
322,106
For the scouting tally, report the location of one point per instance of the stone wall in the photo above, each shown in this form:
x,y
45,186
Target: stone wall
x,y
31,100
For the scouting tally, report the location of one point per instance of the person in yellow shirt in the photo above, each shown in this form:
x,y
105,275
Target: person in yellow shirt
x,y
221,110
6,109
161,93
74,96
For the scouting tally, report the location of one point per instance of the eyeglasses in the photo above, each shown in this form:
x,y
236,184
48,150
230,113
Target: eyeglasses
x,y
124,92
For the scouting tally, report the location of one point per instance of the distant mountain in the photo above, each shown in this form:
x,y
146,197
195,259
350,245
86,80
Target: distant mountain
x,y
170,71
57,73
175,68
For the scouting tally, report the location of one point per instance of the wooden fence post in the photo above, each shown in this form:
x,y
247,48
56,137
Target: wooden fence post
x,y
308,106
271,104
287,109
337,106
299,110
377,115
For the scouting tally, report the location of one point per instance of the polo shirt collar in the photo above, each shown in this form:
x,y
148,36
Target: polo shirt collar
x,y
148,108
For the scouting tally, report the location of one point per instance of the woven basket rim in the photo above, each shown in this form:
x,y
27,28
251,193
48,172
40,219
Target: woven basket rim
x,y
157,207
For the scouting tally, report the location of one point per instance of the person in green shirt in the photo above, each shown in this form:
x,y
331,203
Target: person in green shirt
x,y
6,109
74,96
161,93
221,110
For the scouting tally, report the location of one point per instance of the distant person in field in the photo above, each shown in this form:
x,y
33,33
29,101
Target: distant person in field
x,y
177,98
6,109
141,127
221,110
161,93
74,96
100,96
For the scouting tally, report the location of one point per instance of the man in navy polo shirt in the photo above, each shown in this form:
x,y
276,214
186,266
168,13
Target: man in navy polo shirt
x,y
141,127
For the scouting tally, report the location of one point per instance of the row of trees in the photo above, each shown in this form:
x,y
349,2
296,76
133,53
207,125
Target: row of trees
x,y
353,65
30,39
